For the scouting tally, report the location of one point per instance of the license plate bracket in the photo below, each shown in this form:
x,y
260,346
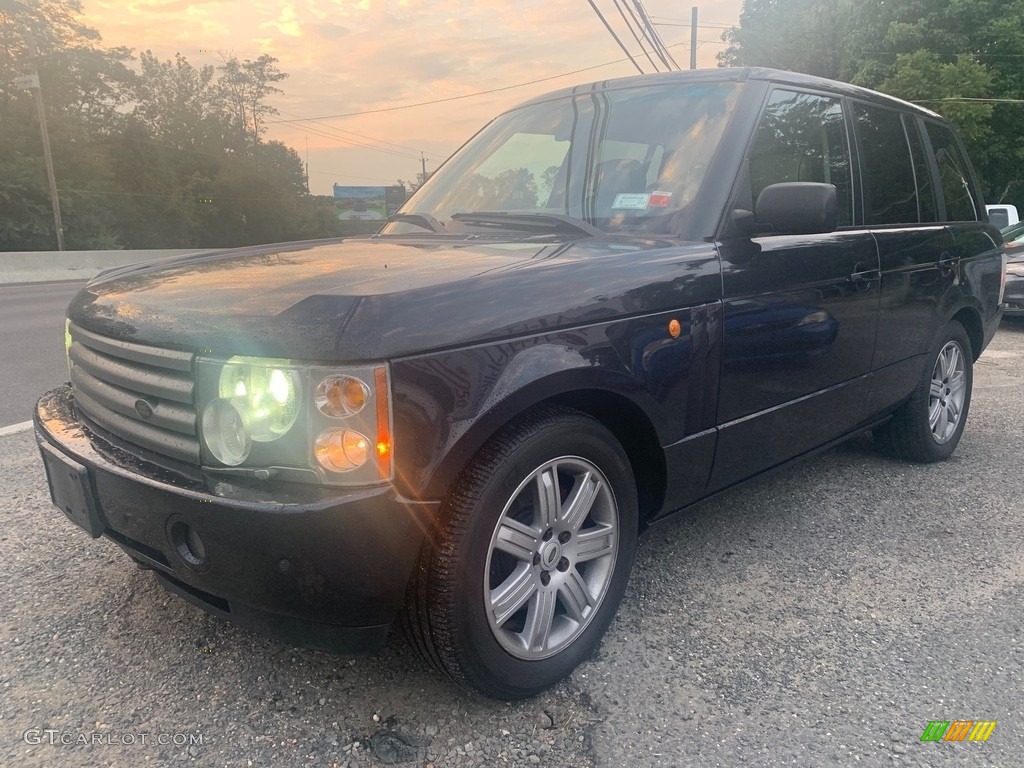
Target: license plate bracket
x,y
71,490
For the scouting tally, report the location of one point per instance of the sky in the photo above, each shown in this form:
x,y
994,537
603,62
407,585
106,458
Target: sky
x,y
345,56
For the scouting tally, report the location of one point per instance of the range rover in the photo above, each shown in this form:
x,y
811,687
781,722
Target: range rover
x,y
614,301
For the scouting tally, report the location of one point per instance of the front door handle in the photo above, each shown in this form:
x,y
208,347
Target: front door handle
x,y
862,280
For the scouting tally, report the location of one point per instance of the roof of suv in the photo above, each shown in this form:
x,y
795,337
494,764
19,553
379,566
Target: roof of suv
x,y
739,75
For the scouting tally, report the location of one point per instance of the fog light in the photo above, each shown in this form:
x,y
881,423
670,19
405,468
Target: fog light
x,y
341,450
187,544
225,433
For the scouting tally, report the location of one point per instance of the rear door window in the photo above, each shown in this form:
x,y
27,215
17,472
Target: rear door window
x,y
887,171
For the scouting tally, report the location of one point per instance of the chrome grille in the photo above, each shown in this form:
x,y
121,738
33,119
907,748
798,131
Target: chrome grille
x,y
140,394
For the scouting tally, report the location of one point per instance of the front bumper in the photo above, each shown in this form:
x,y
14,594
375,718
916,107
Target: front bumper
x,y
318,567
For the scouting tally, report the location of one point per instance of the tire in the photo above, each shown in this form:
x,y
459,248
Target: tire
x,y
927,428
531,558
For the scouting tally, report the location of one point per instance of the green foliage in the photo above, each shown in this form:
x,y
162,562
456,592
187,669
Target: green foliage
x,y
147,153
939,53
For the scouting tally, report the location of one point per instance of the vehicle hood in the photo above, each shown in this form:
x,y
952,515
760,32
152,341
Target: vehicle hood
x,y
378,298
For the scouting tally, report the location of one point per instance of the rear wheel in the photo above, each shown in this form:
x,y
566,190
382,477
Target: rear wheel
x,y
532,559
928,426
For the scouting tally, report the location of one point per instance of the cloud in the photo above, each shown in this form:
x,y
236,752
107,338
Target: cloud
x,y
355,55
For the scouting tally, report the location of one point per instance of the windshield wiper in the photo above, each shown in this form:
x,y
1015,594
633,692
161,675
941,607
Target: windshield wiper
x,y
534,222
424,220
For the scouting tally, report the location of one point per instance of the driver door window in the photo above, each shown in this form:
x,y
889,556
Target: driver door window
x,y
802,137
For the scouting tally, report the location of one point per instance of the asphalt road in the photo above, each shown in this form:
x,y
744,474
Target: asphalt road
x,y
821,616
31,344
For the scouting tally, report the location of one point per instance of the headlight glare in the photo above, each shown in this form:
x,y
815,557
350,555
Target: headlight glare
x,y
267,394
225,432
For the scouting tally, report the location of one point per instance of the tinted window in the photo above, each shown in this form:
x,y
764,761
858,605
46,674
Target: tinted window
x,y
802,137
922,173
887,172
956,189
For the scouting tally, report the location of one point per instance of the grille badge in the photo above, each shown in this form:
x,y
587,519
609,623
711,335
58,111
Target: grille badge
x,y
144,408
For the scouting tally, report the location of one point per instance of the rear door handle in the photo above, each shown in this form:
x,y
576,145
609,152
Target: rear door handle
x,y
947,262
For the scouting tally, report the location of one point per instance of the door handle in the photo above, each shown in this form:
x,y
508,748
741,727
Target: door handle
x,y
862,280
947,262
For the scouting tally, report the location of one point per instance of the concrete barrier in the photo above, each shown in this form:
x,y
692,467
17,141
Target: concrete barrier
x,y
44,266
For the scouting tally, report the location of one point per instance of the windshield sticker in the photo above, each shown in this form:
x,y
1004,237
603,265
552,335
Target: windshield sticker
x,y
660,199
632,201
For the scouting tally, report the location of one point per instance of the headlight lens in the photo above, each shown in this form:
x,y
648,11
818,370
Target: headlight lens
x,y
1017,268
225,431
301,422
265,392
67,343
341,396
342,450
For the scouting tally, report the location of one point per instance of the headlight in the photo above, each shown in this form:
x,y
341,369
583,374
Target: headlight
x,y
1017,268
225,432
67,342
265,392
262,416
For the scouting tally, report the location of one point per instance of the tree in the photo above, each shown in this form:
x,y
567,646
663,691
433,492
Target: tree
x,y
934,52
153,154
244,87
178,103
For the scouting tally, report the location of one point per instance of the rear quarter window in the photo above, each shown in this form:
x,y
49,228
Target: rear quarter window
x,y
962,202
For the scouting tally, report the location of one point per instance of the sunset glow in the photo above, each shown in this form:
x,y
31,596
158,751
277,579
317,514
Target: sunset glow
x,y
347,56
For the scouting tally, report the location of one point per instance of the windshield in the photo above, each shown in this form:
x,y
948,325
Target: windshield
x,y
629,160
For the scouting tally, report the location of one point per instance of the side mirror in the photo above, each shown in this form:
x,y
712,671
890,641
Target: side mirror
x,y
797,208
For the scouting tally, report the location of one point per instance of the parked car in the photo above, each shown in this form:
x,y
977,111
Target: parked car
x,y
1002,215
1014,245
614,301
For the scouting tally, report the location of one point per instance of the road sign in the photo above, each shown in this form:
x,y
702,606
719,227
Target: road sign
x,y
28,82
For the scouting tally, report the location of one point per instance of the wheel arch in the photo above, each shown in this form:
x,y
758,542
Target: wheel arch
x,y
970,319
617,412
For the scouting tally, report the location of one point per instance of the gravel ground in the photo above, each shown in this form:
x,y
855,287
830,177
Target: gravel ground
x,y
818,617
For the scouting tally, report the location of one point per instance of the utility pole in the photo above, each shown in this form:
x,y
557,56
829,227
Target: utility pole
x,y
693,37
307,163
423,164
31,83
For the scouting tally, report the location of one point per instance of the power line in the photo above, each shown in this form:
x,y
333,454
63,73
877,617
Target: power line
x,y
645,30
155,194
346,174
629,26
662,50
612,33
686,23
967,100
353,142
324,134
455,98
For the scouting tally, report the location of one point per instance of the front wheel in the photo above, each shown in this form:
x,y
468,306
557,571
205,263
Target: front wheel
x,y
533,557
928,426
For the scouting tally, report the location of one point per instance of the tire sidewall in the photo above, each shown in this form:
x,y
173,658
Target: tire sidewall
x,y
954,331
571,436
